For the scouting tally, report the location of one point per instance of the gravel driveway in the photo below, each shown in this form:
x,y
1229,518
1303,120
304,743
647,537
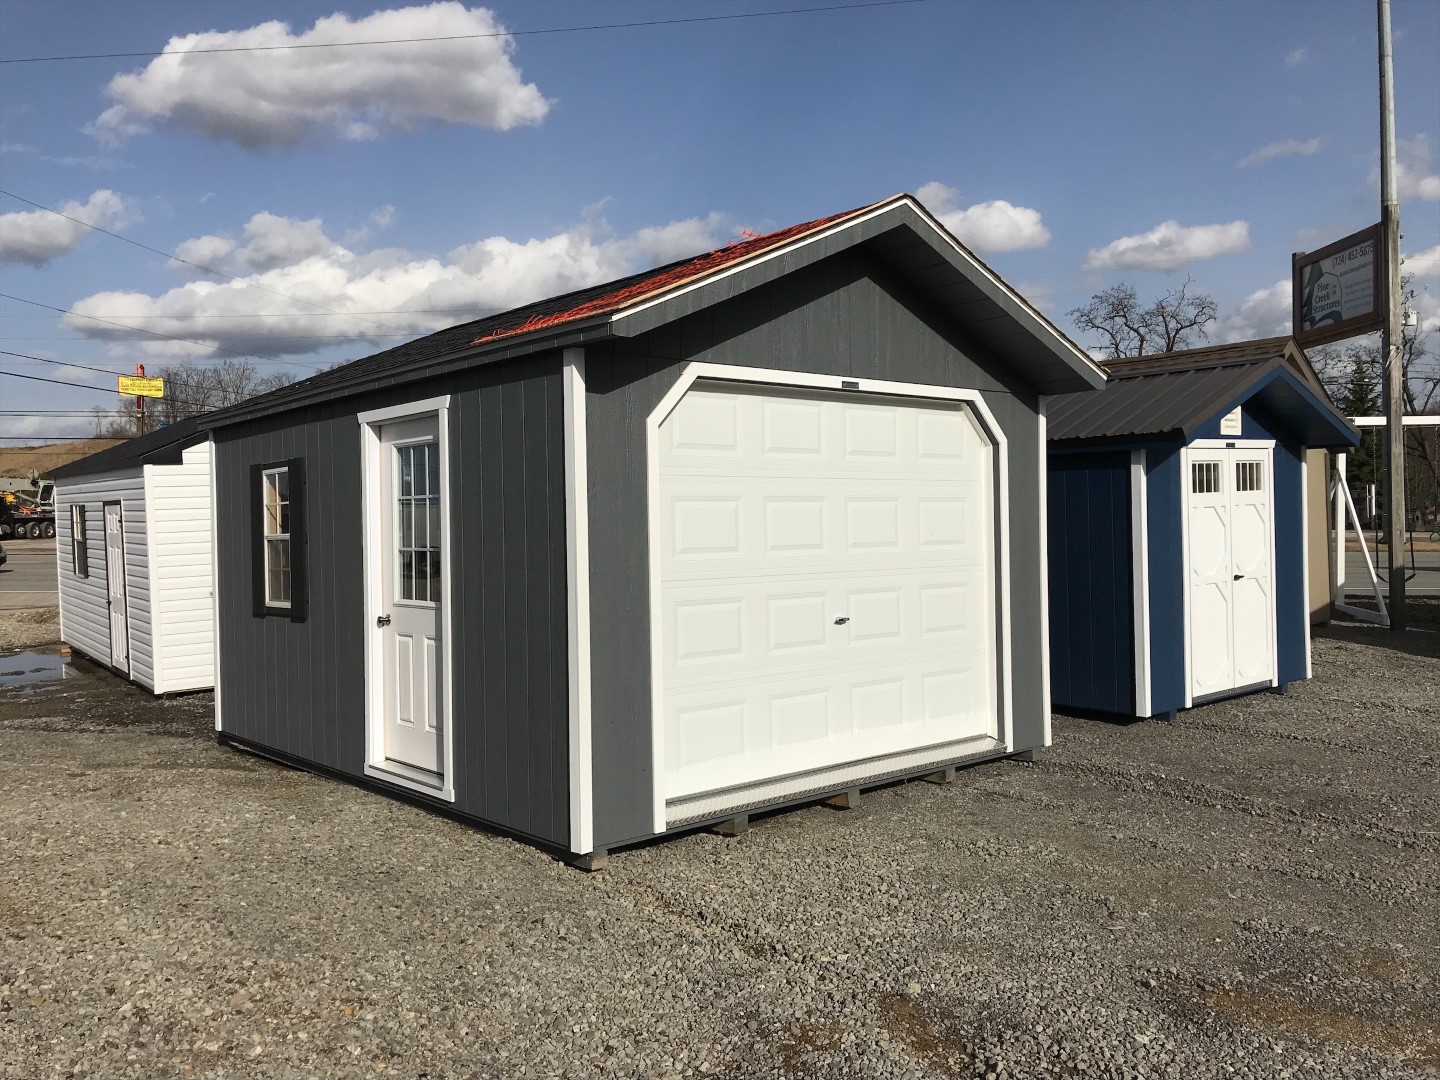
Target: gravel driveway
x,y
1251,892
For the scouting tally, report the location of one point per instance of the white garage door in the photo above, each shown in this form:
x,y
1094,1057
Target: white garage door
x,y
827,578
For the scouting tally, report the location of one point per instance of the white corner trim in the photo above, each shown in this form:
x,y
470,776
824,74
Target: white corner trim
x,y
577,584
147,487
1184,502
1271,494
372,542
215,577
1140,571
968,257
1305,552
1044,500
1005,725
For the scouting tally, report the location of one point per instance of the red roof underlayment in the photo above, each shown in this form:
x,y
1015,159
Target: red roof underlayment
x,y
671,277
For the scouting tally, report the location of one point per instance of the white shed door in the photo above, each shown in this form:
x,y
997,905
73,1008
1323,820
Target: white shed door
x,y
827,582
1231,598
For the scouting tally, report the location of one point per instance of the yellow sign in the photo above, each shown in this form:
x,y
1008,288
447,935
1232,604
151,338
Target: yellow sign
x,y
140,386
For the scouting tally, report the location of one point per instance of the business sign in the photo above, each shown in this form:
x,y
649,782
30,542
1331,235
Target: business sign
x,y
1337,289
140,386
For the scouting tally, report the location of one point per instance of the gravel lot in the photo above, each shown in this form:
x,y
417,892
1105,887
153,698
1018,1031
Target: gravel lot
x,y
1251,892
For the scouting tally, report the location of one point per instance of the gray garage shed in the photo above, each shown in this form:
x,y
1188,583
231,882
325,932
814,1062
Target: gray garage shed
x,y
742,531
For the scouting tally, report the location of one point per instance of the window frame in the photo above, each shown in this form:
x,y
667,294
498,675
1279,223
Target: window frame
x,y
261,539
79,541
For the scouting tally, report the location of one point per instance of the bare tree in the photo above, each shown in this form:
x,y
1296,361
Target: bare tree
x,y
1126,328
190,389
1338,365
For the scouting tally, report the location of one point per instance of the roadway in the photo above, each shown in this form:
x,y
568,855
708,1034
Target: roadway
x,y
27,580
1426,581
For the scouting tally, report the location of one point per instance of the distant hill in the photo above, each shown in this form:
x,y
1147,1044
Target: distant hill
x,y
17,461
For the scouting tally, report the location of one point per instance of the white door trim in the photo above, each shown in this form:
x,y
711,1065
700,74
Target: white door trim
x,y
577,583
698,370
372,540
1140,570
1268,445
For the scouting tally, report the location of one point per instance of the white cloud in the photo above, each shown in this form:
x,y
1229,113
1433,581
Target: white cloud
x,y
988,226
1264,313
34,237
1286,148
1295,57
1170,246
297,258
278,98
1423,264
1414,178
16,148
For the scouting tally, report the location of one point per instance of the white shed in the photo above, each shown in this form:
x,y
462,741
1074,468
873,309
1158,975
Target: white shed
x,y
134,548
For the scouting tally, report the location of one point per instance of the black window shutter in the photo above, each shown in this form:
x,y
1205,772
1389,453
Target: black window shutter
x,y
255,497
299,555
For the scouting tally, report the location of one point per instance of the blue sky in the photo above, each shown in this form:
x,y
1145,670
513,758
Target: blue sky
x,y
1074,145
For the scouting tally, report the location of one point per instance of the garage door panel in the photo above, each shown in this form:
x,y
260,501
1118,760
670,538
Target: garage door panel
x,y
826,583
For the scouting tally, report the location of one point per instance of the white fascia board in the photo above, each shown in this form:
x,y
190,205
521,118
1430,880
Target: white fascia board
x,y
1042,326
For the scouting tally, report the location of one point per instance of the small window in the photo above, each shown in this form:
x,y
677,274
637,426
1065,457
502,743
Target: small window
x,y
275,499
278,538
1249,476
79,549
1205,477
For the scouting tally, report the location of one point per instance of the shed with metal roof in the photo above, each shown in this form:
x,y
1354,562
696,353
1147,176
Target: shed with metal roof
x,y
134,551
1178,498
754,528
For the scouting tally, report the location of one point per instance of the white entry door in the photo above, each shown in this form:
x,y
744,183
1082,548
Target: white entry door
x,y
410,503
115,584
827,583
1231,576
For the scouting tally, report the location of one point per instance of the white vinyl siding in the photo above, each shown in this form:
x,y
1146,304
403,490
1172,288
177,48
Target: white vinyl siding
x,y
165,513
84,613
178,498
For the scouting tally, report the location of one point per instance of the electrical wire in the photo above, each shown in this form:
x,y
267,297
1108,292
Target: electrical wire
x,y
204,406
61,363
466,37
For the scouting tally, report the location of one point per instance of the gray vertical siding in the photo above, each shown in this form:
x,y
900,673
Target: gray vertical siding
x,y
298,687
845,316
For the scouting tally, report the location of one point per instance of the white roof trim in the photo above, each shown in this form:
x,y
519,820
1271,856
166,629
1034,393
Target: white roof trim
x,y
1044,326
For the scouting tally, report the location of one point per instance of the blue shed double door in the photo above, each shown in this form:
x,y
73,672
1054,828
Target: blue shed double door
x,y
1229,532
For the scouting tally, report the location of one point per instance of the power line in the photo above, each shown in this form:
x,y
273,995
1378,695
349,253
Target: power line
x,y
187,262
107,390
153,333
60,363
466,37
274,314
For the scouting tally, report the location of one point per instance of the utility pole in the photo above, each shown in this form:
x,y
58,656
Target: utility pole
x,y
1391,340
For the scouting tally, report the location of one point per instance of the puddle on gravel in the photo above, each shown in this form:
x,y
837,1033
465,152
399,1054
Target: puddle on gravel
x,y
33,667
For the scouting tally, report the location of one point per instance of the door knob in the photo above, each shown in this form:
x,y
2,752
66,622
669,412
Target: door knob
x,y
1239,576
383,621
841,620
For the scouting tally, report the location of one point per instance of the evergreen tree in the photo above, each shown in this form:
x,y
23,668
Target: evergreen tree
x,y
1360,396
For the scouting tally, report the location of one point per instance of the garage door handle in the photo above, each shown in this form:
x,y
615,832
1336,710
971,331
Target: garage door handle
x,y
841,620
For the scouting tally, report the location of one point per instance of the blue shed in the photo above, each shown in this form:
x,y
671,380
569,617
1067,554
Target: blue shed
x,y
1177,540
